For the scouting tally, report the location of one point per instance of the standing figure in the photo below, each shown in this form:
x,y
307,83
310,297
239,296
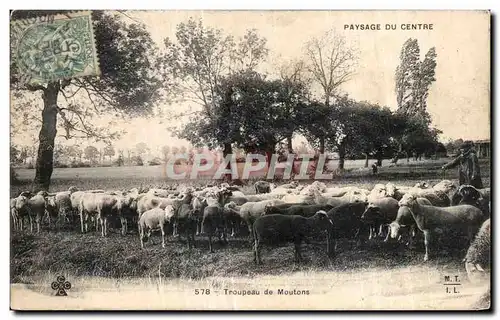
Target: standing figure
x,y
468,166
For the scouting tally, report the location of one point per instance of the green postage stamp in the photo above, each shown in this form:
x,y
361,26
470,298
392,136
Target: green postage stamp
x,y
54,47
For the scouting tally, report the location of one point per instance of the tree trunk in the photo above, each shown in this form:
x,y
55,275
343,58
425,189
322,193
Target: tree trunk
x,y
289,144
322,145
228,149
341,155
45,156
366,160
380,156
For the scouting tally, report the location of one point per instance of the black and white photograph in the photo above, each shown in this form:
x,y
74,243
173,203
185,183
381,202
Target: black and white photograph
x,y
250,160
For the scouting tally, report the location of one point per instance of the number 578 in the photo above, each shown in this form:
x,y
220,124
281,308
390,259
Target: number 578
x,y
202,291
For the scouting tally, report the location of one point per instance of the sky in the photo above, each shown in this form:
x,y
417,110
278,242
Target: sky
x,y
458,102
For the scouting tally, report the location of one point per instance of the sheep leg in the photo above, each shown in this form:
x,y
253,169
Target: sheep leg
x,y
250,233
381,230
210,249
81,220
124,225
256,253
162,236
387,236
141,235
198,227
38,220
174,231
31,223
298,257
103,226
427,240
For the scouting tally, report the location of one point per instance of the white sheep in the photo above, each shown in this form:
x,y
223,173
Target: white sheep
x,y
152,220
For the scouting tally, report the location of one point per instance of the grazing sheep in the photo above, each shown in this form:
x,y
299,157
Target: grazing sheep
x,y
159,192
262,187
238,200
63,204
236,193
146,202
297,210
347,221
152,220
36,205
298,199
199,205
437,195
213,220
479,253
276,229
337,201
380,212
316,185
23,210
126,208
463,218
232,219
89,207
470,195
52,211
378,191
250,211
339,192
186,223
405,219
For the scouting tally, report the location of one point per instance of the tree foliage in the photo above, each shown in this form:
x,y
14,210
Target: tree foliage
x,y
129,83
414,78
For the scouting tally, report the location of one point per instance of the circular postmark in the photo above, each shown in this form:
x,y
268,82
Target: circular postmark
x,y
49,51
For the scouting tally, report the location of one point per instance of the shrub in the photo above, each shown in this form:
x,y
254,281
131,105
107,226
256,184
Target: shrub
x,y
155,162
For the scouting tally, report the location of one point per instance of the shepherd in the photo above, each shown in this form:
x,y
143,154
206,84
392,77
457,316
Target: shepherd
x,y
468,166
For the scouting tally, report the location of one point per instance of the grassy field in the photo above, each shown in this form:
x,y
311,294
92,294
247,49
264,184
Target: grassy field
x,y
376,275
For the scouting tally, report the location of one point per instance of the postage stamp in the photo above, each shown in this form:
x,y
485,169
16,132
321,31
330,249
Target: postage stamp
x,y
251,160
54,47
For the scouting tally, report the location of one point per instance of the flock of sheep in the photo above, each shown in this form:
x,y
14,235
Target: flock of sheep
x,y
290,212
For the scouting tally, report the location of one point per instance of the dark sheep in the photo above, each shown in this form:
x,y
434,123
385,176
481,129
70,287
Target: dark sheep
x,y
213,223
262,187
186,223
297,209
277,229
472,196
347,220
213,219
464,219
379,213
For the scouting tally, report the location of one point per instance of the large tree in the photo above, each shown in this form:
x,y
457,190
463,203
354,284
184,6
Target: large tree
x,y
413,80
331,62
199,57
128,83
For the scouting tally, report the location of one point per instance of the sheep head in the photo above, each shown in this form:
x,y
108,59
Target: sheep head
x,y
324,219
230,205
169,212
444,186
394,229
469,193
421,185
390,189
407,200
72,189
